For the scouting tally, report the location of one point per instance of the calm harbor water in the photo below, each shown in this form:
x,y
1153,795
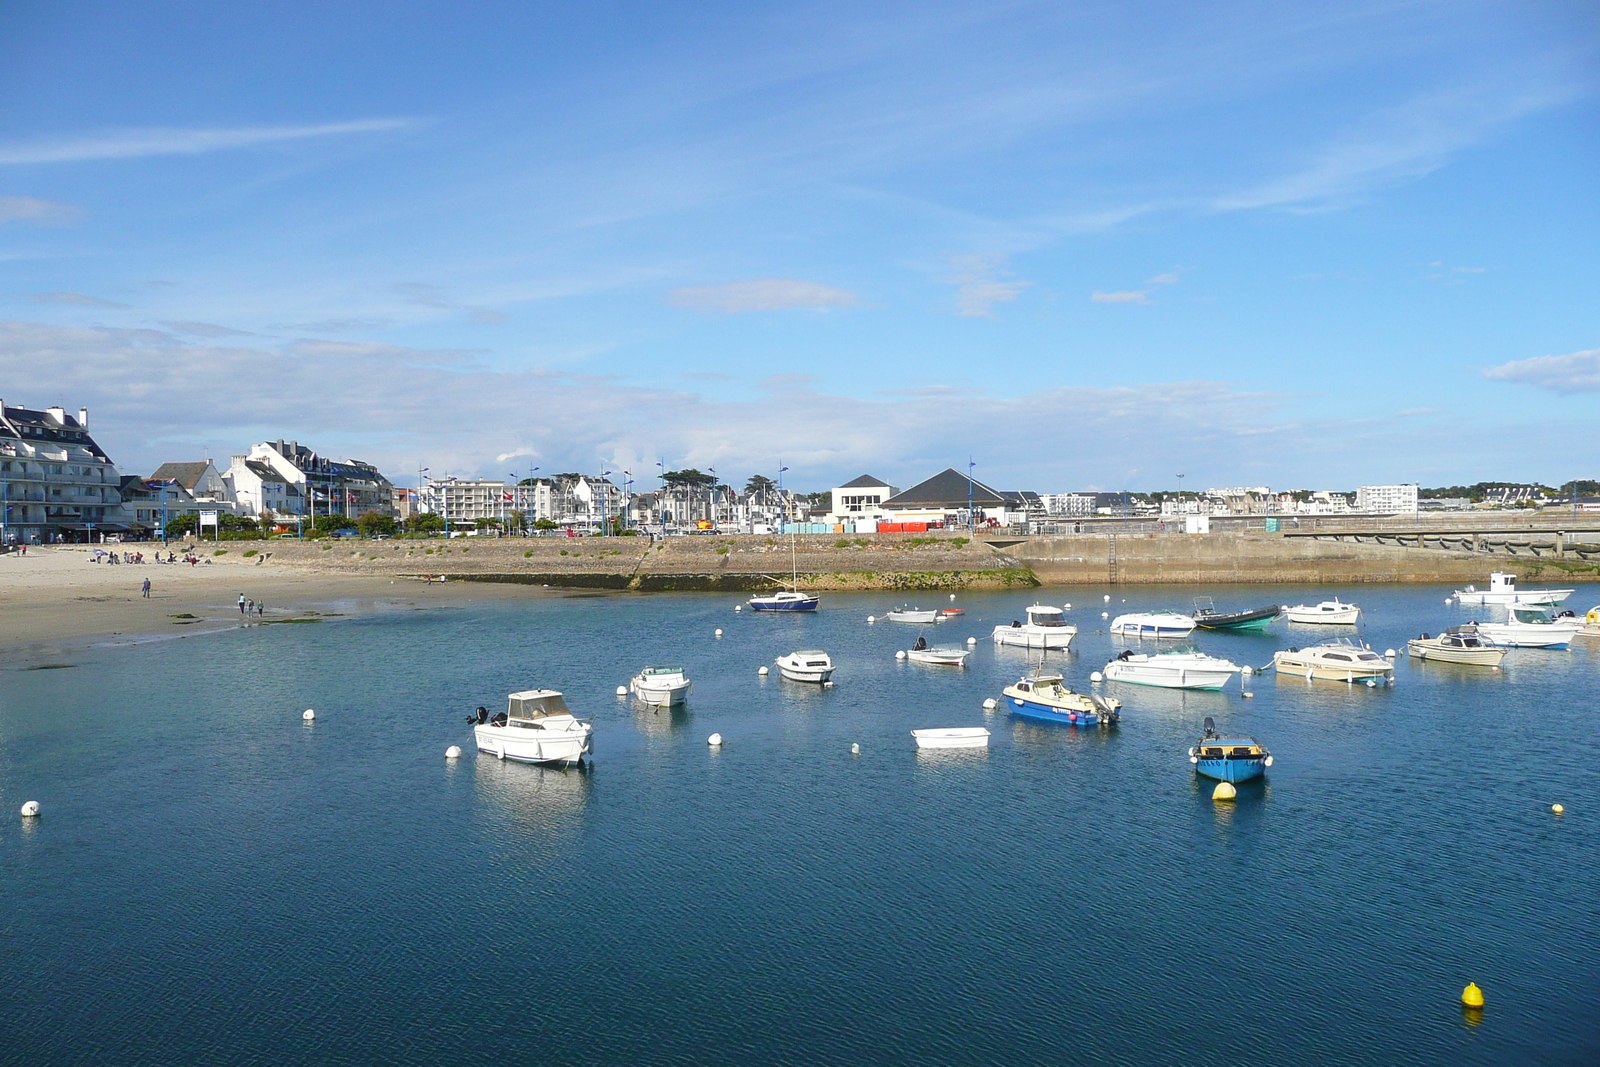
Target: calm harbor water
x,y
214,882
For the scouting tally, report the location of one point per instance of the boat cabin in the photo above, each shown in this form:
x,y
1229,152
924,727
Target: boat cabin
x,y
526,708
1501,582
1044,615
1532,616
1043,683
659,672
812,657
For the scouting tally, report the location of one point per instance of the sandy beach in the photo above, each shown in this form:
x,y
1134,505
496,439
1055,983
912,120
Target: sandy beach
x,y
55,599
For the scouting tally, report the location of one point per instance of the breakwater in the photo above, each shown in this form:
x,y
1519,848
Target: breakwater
x,y
747,563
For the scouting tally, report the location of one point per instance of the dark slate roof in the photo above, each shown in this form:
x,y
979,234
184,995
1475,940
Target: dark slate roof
x,y
39,426
948,488
187,475
265,472
866,481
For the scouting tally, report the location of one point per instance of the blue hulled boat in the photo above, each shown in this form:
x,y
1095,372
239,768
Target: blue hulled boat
x,y
784,602
1045,698
1228,759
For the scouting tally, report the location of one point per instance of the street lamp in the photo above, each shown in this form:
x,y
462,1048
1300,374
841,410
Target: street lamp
x,y
971,519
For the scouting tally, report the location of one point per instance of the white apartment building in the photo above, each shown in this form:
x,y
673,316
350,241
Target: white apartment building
x,y
1387,499
1068,505
570,501
56,484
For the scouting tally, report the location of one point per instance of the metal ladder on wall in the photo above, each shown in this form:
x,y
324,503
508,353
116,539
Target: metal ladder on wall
x,y
1111,559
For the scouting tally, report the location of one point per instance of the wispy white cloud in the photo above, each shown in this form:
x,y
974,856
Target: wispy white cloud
x,y
205,329
137,143
1121,296
76,299
1399,144
423,294
1575,372
40,212
981,282
1171,277
763,294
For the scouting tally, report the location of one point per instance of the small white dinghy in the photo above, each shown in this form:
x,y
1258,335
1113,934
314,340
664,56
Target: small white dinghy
x,y
953,737
939,657
661,686
904,614
806,665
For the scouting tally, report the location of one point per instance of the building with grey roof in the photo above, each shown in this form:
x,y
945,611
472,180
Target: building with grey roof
x,y
56,483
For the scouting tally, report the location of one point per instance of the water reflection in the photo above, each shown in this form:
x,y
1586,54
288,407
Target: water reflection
x,y
1153,700
657,722
546,797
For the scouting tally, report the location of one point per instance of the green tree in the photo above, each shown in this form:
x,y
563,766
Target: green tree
x,y
372,523
759,485
327,524
690,477
546,524
425,522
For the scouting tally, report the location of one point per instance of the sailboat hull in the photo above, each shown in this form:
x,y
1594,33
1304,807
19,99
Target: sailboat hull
x,y
789,603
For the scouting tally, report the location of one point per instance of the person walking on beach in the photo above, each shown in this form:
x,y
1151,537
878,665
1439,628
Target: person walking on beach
x,y
241,603
145,589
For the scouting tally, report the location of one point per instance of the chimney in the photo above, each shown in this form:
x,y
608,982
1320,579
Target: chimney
x,y
83,418
55,411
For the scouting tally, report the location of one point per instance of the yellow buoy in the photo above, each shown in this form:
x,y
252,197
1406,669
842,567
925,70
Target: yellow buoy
x,y
1472,996
1224,791
1557,808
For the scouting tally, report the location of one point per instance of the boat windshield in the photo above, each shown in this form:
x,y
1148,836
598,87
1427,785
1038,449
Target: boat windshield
x,y
528,706
650,671
1046,617
1531,616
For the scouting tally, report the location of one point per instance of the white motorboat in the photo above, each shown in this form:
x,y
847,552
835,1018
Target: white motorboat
x,y
939,656
1458,644
904,614
536,727
1503,590
807,665
1153,624
661,686
954,737
1591,623
1337,661
1530,627
1328,613
1178,669
1047,627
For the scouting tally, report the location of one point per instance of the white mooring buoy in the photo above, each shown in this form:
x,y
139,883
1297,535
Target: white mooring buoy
x,y
308,715
1108,598
1224,791
855,749
1066,607
871,619
622,690
900,654
715,740
738,607
990,704
1105,614
1388,653
972,640
762,671
453,752
1247,670
1096,676
718,634
30,810
952,596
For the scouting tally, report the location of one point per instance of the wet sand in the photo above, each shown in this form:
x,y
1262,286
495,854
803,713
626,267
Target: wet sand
x,y
54,600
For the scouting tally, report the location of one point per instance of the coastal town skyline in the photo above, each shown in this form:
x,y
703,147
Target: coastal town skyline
x,y
1289,247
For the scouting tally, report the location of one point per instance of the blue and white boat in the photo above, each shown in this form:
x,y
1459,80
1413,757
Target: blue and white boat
x,y
1228,759
785,601
1153,624
1045,698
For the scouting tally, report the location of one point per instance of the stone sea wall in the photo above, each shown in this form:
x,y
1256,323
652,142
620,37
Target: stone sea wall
x,y
747,563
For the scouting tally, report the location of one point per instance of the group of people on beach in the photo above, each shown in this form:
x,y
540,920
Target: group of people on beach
x,y
248,608
100,555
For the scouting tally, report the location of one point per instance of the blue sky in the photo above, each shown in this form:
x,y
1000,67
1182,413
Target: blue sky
x,y
1092,245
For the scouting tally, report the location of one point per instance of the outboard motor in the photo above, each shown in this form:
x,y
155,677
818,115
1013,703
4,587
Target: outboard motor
x,y
481,717
1211,727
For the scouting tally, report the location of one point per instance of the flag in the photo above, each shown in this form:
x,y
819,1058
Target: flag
x,y
507,497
